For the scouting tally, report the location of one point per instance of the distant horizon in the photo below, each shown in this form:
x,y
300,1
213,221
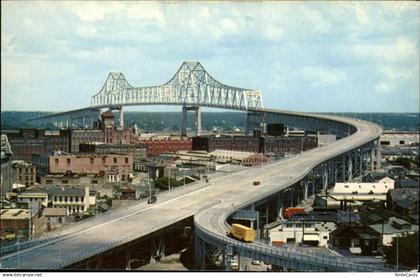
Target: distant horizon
x,y
221,111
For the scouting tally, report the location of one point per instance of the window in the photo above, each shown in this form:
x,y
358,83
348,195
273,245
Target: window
x,y
68,161
94,182
115,160
65,182
91,160
325,237
402,142
61,198
126,160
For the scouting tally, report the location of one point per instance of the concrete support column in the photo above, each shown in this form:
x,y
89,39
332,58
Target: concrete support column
x,y
372,160
378,155
247,123
198,121
325,180
84,122
121,117
184,121
305,187
279,204
350,167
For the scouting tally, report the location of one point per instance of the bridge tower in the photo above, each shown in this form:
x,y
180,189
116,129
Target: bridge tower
x,y
197,124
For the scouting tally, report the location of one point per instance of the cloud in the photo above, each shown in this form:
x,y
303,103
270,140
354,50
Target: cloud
x,y
280,48
323,77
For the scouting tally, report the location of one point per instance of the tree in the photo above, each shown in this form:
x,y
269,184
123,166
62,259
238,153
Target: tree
x,y
163,183
407,250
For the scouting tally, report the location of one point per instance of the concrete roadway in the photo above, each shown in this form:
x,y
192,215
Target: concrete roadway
x,y
278,176
222,193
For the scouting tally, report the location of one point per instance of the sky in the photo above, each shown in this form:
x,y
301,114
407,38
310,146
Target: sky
x,y
303,56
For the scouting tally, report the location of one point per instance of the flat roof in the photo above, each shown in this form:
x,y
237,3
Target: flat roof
x,y
14,214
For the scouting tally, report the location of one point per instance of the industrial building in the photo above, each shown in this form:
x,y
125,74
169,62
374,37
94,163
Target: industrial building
x,y
399,138
157,145
115,167
25,173
237,157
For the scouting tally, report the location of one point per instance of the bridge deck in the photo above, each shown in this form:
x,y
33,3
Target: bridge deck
x,y
230,190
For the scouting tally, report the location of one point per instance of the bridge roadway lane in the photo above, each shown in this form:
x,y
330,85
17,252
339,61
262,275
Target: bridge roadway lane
x,y
228,191
213,219
108,230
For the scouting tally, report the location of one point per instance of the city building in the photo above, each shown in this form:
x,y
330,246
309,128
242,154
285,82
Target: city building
x,y
356,238
237,157
23,148
97,182
75,200
79,136
34,199
138,152
115,167
15,223
399,138
34,141
57,140
25,173
232,143
115,134
394,226
156,145
404,201
55,217
300,231
7,174
280,146
380,187
42,164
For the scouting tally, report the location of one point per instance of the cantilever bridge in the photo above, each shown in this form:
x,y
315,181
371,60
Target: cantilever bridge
x,y
191,87
285,182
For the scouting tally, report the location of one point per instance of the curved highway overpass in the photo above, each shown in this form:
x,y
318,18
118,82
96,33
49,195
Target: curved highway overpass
x,y
211,225
220,198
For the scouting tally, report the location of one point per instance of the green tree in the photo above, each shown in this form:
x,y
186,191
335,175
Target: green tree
x,y
163,183
407,250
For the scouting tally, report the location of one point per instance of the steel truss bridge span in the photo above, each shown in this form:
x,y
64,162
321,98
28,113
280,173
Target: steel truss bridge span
x,y
192,85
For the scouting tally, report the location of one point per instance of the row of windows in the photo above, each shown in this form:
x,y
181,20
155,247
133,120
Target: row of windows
x,y
69,198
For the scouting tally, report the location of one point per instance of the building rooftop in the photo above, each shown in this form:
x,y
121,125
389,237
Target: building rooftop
x,y
62,191
394,226
49,212
14,214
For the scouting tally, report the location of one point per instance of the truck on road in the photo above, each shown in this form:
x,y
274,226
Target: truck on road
x,y
241,232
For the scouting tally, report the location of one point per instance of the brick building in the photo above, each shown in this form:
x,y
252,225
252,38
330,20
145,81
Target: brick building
x,y
84,136
275,146
113,134
157,146
57,140
25,173
34,141
233,143
116,167
137,151
278,146
23,148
